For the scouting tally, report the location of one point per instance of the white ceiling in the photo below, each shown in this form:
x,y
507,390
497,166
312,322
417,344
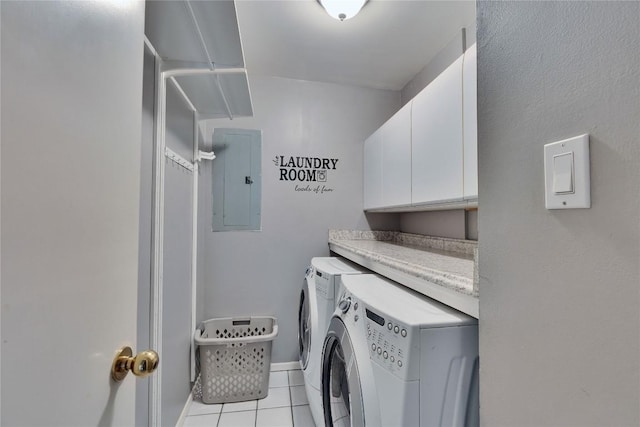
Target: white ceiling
x,y
383,47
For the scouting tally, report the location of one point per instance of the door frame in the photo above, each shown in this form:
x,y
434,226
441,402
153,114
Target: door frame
x,y
160,152
157,243
167,71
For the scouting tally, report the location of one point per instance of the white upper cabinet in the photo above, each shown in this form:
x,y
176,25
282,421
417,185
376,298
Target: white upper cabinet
x,y
373,171
470,129
396,159
425,157
437,149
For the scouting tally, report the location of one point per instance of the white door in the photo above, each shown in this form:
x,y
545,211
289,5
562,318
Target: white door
x,y
372,183
470,122
396,158
436,144
70,172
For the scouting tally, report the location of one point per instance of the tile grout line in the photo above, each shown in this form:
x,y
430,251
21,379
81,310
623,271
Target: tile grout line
x,y
220,415
293,421
255,420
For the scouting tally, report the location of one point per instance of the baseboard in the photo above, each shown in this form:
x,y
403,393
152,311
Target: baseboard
x,y
285,366
185,411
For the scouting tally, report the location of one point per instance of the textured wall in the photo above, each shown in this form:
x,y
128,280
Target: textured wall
x,y
261,273
559,290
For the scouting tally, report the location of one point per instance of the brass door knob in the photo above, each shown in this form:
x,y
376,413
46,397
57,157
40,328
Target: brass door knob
x,y
143,364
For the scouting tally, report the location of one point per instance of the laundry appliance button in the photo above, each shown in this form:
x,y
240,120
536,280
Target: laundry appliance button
x,y
403,333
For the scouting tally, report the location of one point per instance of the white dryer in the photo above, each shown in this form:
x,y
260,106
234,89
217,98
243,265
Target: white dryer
x,y
317,304
393,357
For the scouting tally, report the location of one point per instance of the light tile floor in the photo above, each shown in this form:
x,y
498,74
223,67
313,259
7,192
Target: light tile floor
x,y
286,405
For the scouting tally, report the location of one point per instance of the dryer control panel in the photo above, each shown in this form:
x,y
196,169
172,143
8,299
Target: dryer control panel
x,y
389,342
324,284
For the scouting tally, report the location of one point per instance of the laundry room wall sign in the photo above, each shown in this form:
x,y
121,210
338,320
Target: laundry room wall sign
x,y
310,174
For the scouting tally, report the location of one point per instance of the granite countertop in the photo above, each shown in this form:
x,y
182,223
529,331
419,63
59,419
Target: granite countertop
x,y
448,263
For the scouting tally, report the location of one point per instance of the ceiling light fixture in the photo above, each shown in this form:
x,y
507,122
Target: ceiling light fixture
x,y
342,9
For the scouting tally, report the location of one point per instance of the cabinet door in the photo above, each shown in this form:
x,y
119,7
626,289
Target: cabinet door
x,y
373,171
436,123
470,123
396,159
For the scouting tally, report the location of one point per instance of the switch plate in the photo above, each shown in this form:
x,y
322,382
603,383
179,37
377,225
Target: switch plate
x,y
563,173
567,173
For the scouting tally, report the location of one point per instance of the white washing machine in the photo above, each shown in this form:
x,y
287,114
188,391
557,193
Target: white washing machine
x,y
317,304
393,357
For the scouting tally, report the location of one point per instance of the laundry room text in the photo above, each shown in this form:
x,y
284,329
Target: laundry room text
x,y
306,169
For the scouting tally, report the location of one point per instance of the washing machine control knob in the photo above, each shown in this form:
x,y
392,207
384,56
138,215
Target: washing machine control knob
x,y
344,304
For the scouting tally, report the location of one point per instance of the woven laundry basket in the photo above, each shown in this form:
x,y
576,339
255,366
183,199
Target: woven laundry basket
x,y
235,358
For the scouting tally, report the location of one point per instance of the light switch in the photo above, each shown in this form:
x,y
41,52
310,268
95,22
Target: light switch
x,y
563,173
567,173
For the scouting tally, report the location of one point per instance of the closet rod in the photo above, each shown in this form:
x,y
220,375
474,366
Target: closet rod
x,y
183,94
195,71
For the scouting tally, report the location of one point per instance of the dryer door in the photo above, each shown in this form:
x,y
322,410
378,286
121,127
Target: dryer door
x,y
346,402
304,325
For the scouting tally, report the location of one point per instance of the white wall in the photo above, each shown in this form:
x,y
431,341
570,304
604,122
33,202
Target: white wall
x,y
559,290
261,273
437,223
447,55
